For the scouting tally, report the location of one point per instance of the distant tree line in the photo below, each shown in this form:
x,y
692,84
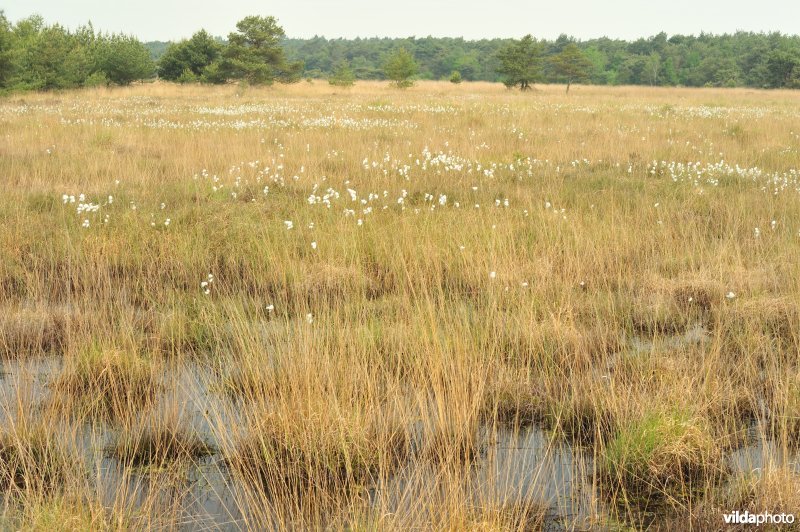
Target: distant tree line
x,y
764,60
37,56
767,60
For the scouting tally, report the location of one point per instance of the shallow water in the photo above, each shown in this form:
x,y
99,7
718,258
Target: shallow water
x,y
531,465
527,468
695,335
760,453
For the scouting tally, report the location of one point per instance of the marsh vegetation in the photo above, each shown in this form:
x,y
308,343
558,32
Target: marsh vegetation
x,y
448,307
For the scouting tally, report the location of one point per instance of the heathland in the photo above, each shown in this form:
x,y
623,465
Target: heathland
x,y
445,307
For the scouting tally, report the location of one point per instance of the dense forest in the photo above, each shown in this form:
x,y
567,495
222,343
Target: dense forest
x,y
38,56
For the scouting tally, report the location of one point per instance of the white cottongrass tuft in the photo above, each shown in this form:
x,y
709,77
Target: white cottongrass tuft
x,y
206,285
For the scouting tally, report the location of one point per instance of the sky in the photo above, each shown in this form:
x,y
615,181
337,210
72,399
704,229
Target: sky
x,y
166,20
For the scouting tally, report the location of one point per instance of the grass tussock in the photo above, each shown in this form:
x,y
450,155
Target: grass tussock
x,y
32,330
106,383
453,446
662,454
516,516
158,443
33,460
513,399
775,490
64,513
775,319
316,459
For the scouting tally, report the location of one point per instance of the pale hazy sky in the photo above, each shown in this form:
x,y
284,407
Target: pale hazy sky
x,y
627,19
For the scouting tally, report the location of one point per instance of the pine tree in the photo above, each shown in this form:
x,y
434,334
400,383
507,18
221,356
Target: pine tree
x,y
254,53
342,75
521,63
571,65
400,67
193,55
123,59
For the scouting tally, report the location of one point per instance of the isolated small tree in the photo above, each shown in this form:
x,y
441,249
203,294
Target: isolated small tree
x,y
342,75
400,67
455,77
571,65
521,63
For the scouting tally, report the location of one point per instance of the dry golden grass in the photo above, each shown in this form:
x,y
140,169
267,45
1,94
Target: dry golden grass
x,y
350,296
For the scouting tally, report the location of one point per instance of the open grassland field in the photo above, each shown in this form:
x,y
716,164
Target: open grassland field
x,y
450,307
